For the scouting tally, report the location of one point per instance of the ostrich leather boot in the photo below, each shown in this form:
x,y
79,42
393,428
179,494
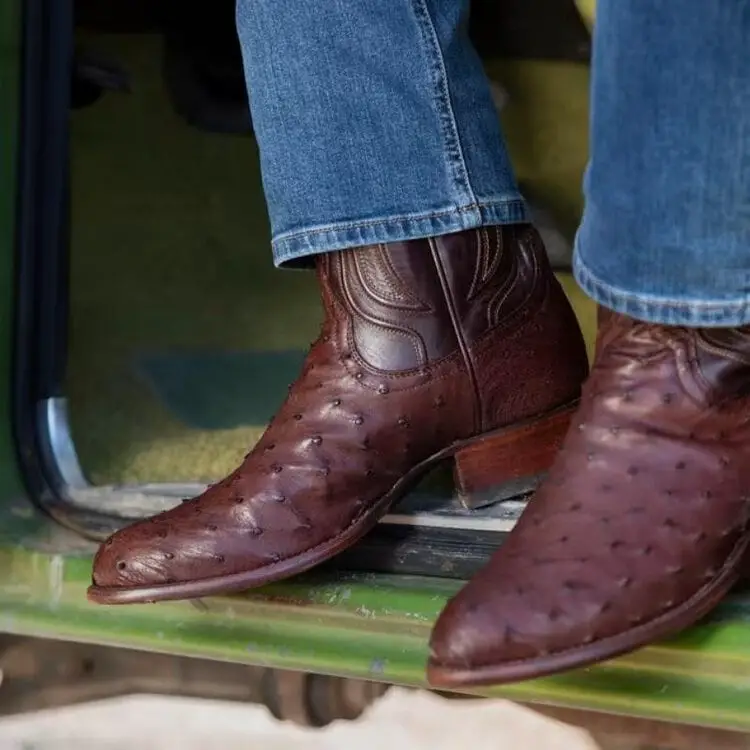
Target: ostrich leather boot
x,y
462,347
640,527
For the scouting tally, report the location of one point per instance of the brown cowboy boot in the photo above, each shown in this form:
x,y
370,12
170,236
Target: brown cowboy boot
x,y
641,525
461,347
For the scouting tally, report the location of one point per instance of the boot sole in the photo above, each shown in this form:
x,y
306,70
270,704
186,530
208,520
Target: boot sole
x,y
551,426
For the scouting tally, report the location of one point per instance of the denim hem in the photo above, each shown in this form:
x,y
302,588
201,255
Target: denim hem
x,y
693,313
296,246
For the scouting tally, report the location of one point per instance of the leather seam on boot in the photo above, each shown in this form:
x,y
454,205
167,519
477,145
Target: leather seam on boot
x,y
463,345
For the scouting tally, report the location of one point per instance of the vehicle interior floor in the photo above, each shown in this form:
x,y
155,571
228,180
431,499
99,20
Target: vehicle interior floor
x,y
183,335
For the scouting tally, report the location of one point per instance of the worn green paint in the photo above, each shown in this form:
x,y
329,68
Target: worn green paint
x,y
362,625
9,105
359,625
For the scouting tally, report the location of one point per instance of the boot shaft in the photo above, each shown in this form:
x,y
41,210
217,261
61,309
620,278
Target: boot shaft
x,y
482,301
414,303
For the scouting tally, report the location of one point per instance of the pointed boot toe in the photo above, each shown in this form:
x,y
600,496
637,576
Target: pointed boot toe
x,y
469,635
225,538
133,558
641,526
457,348
155,558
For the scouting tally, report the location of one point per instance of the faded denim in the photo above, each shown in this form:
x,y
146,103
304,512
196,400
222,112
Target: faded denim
x,y
374,121
665,235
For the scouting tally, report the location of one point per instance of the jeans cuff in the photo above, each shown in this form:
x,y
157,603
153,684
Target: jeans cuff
x,y
294,249
651,308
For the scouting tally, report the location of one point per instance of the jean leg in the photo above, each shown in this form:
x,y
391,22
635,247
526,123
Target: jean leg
x,y
374,121
665,235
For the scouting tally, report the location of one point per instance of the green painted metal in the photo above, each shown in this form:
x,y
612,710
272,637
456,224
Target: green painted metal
x,y
362,625
10,57
368,626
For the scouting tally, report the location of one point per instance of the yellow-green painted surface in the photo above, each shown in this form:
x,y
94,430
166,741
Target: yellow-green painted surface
x,y
371,626
587,9
170,253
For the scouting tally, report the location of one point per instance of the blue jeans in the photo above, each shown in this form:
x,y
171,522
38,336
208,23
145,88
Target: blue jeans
x,y
375,124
